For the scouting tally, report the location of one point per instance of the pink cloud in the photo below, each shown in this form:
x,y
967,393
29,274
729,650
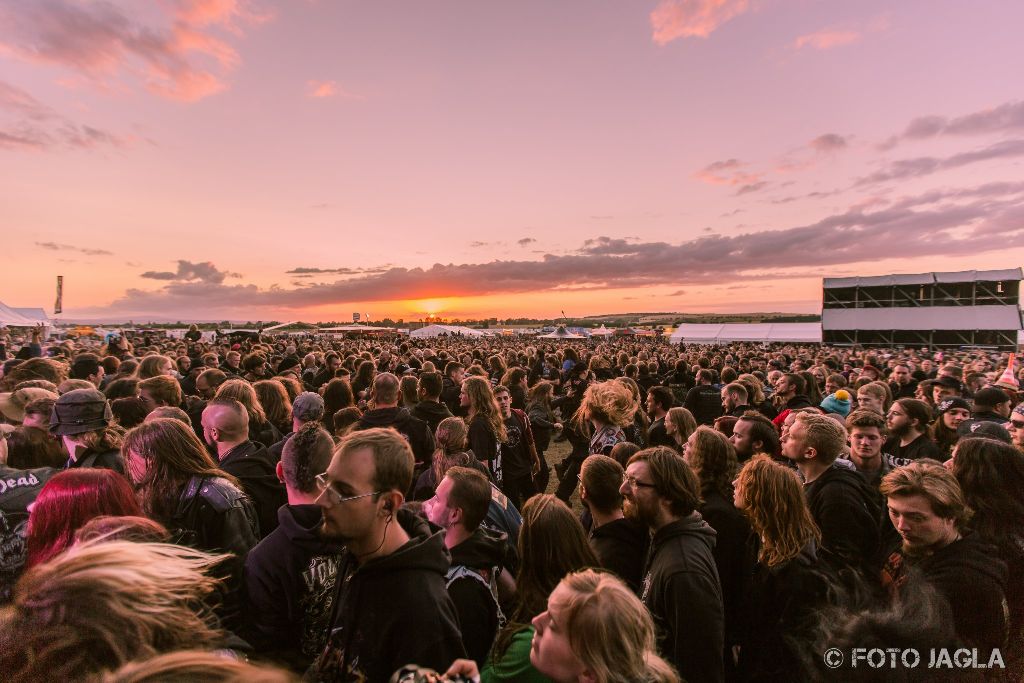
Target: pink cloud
x,y
180,59
28,124
673,19
728,172
826,39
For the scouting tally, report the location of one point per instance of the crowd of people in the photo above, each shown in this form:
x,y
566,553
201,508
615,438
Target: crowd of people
x,y
391,509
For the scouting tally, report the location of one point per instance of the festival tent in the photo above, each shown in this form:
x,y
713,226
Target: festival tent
x,y
35,314
354,329
562,333
601,332
800,333
12,316
449,330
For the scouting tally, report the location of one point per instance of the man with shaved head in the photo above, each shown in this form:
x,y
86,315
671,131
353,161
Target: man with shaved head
x,y
387,413
226,428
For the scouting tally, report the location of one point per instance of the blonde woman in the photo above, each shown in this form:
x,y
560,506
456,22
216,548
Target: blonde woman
x,y
103,603
594,629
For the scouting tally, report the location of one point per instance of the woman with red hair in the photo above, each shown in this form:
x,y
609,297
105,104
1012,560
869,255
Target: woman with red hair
x,y
69,500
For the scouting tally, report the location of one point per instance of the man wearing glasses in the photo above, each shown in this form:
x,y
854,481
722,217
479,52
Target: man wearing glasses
x,y
680,585
391,606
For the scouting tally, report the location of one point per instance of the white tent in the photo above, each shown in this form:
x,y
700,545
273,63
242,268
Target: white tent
x,y
343,329
562,333
36,314
601,331
11,316
801,333
450,330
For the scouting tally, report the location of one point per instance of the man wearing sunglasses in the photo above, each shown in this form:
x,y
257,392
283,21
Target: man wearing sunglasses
x,y
391,606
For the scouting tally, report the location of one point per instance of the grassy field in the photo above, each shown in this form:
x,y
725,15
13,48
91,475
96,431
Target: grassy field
x,y
555,452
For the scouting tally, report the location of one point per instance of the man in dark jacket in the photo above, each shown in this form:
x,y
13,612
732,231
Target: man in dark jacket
x,y
907,421
841,502
619,543
478,556
659,401
391,607
704,401
226,427
429,407
454,373
789,395
81,412
386,413
928,510
290,575
680,585
18,490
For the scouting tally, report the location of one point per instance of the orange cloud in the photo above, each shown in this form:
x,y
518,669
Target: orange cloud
x,y
826,39
322,88
727,172
673,19
179,58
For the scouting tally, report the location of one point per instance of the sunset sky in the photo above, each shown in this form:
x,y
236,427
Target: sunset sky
x,y
303,159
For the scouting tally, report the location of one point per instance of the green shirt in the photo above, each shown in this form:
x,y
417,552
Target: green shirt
x,y
514,666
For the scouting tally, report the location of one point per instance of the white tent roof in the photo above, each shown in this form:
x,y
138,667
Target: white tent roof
x,y
438,330
803,333
353,328
601,331
925,278
11,316
561,333
37,314
924,318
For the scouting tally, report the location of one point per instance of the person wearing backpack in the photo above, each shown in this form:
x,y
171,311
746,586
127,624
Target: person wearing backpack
x,y
478,557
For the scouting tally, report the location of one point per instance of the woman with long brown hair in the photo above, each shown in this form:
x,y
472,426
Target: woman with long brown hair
x,y
261,429
276,404
180,486
551,544
713,459
786,586
450,441
337,395
486,428
680,424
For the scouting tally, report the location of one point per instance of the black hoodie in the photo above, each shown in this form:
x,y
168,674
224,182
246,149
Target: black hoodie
x,y
621,547
431,412
289,588
250,464
682,591
18,490
847,511
970,576
415,430
470,591
778,613
391,611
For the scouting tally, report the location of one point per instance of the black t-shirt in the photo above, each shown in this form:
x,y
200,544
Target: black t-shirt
x,y
921,447
515,458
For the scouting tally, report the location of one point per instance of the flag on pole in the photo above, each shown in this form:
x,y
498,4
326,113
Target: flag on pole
x,y
58,306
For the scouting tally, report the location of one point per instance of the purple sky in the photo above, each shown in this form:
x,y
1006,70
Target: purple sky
x,y
305,160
